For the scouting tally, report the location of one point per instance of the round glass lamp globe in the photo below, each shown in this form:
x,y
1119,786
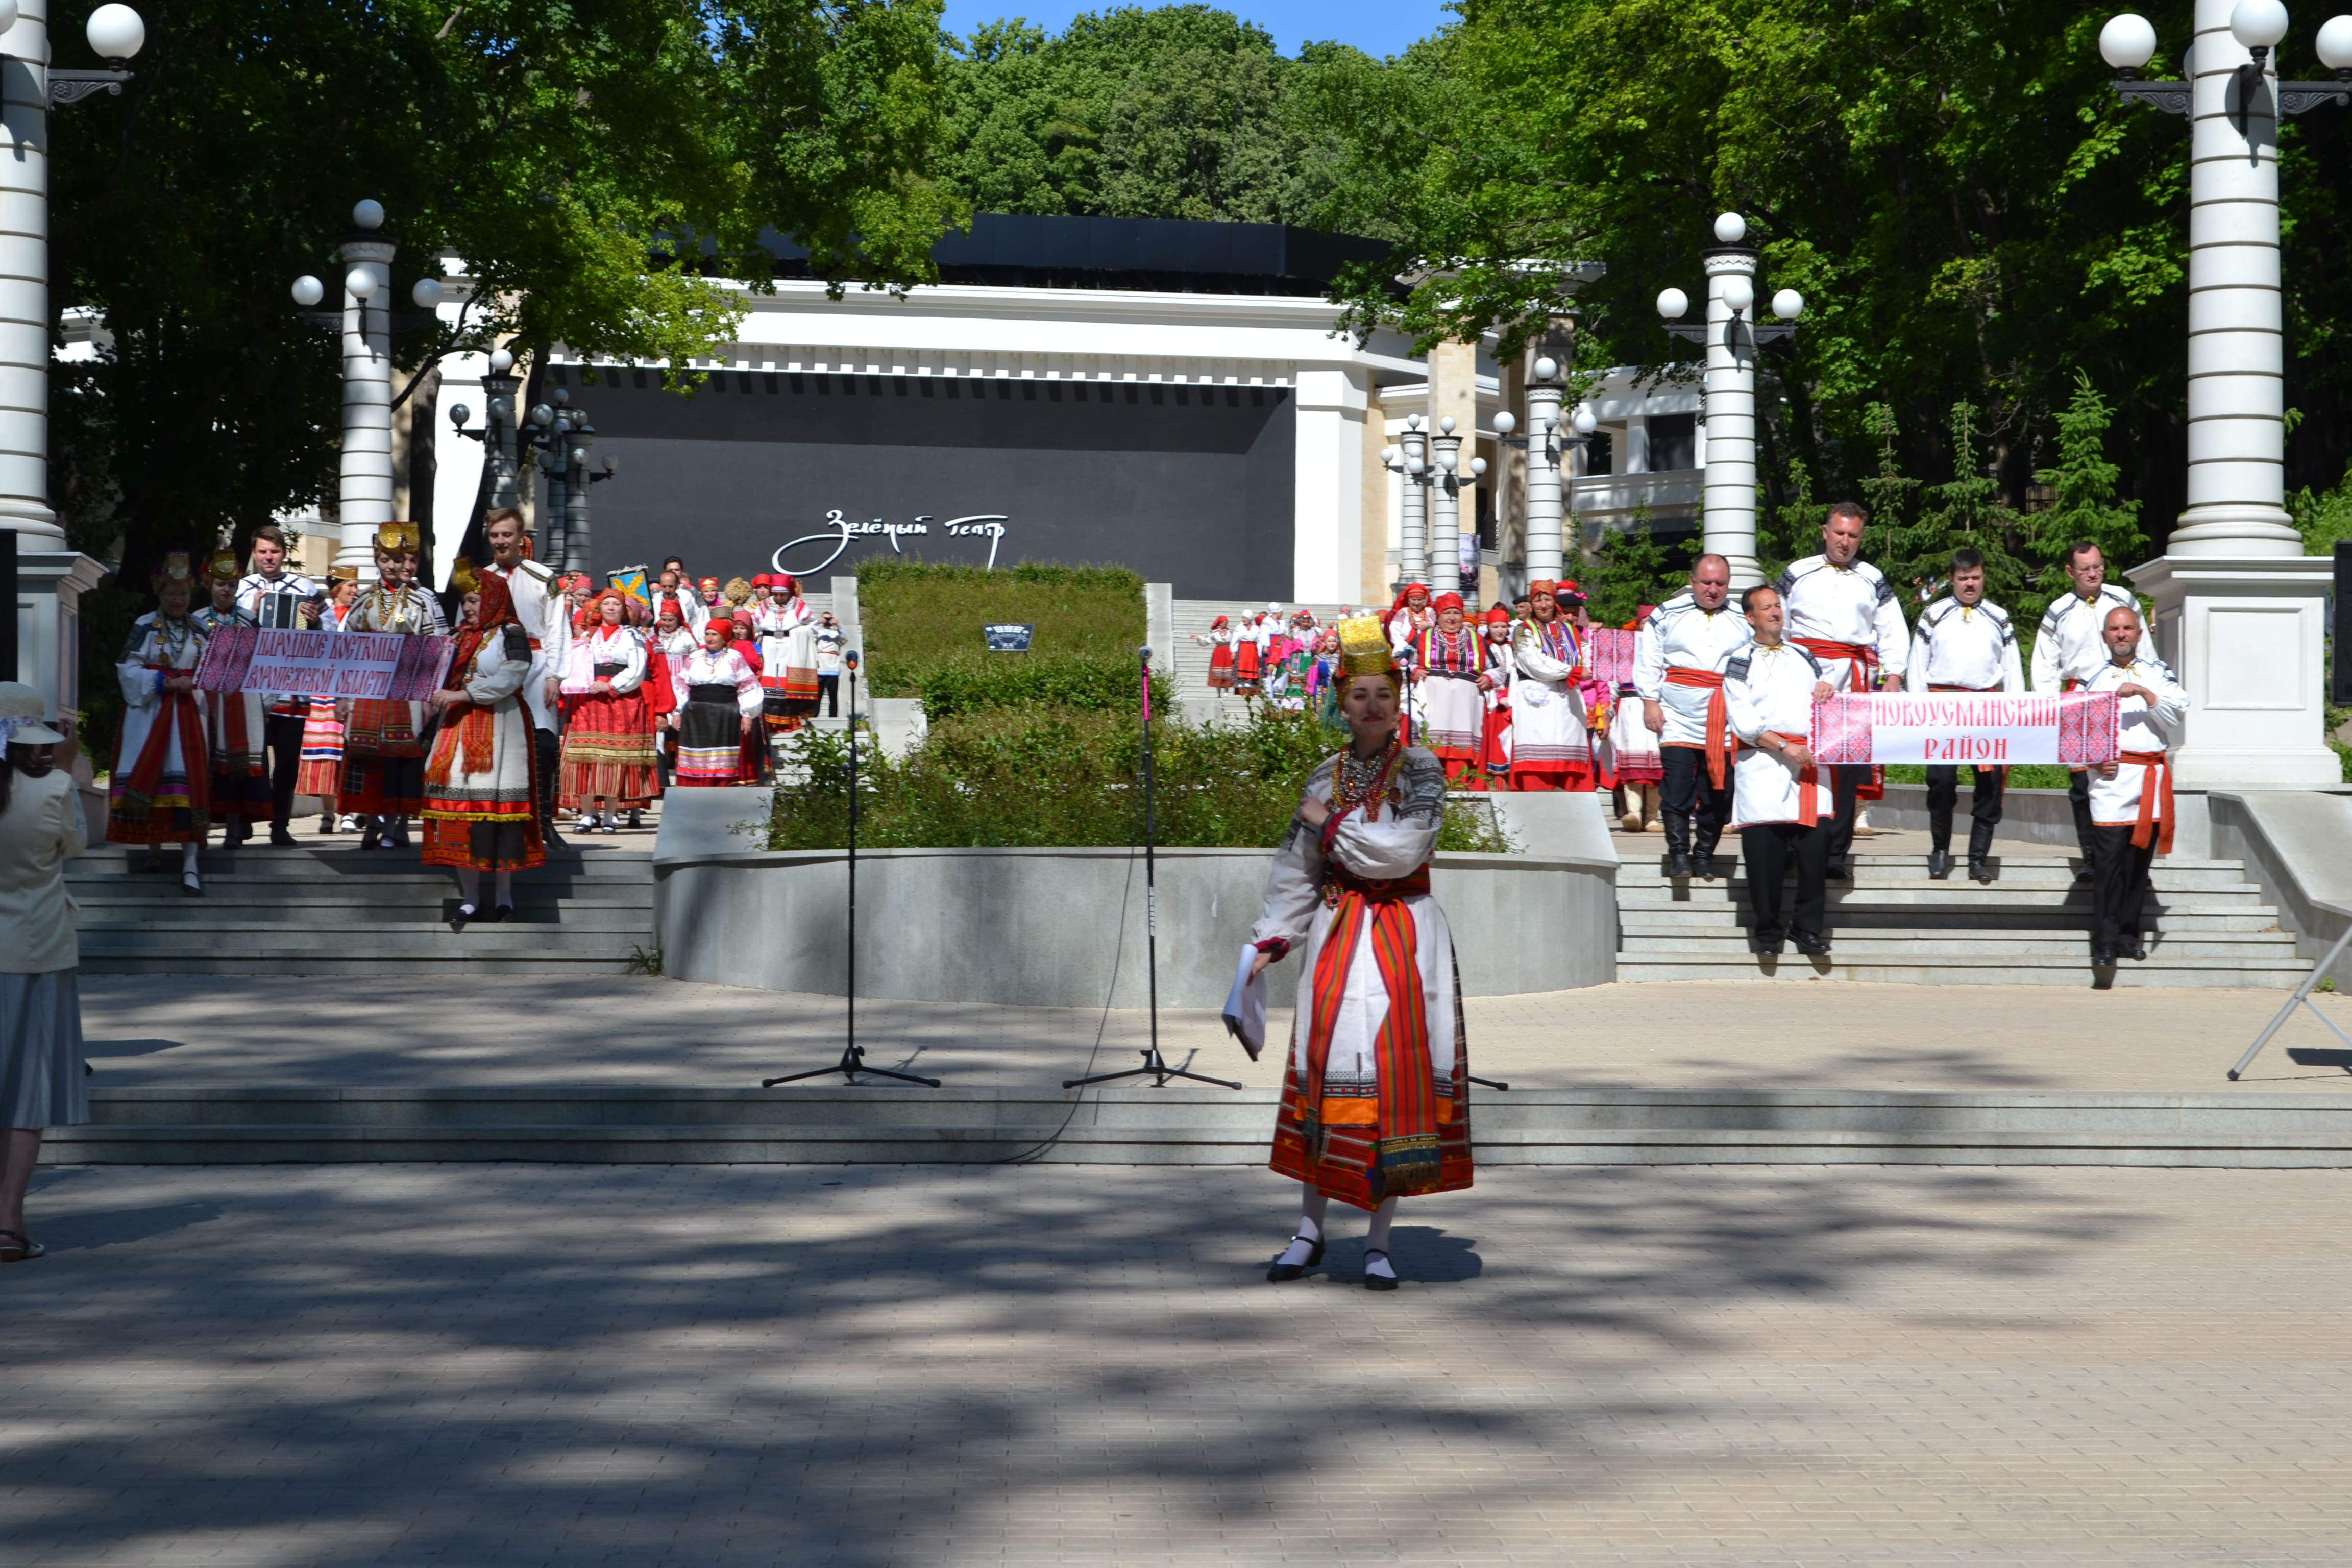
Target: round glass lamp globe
x,y
115,32
1546,369
1445,426
1739,293
1585,422
1730,229
358,282
428,293
1506,422
2127,42
2334,43
1412,464
2257,24
1673,303
501,361
459,414
1787,304
309,290
1477,467
368,214
8,15
1388,456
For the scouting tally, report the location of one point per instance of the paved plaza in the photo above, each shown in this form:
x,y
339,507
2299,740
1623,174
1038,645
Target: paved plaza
x,y
869,1365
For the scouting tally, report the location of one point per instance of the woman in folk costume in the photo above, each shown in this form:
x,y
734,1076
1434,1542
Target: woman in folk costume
x,y
1375,1100
1549,747
1246,662
1451,668
1409,616
322,770
162,788
383,778
481,791
1219,640
786,628
672,644
718,708
233,721
609,763
1494,688
1637,768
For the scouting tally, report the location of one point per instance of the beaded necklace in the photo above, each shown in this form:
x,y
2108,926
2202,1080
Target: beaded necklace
x,y
1357,781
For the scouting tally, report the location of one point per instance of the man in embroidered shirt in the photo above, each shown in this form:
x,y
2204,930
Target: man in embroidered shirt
x,y
2071,647
1842,611
2131,797
1678,658
1777,796
1964,644
273,596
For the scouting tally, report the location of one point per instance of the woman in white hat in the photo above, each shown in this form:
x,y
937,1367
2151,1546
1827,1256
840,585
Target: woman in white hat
x,y
41,828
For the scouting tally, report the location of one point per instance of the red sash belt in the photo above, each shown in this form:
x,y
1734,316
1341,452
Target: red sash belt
x,y
1719,719
2154,822
178,717
1338,879
1405,1117
1808,779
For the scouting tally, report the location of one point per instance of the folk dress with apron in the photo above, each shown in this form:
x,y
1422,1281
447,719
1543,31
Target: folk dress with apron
x,y
162,788
1376,1097
480,794
234,724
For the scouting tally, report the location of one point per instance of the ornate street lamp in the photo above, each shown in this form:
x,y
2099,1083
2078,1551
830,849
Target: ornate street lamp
x,y
501,458
1548,512
561,435
2237,601
51,576
367,323
1432,468
1731,335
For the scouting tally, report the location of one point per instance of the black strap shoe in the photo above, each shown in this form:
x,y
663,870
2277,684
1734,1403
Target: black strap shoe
x,y
1379,1282
1282,1273
1940,864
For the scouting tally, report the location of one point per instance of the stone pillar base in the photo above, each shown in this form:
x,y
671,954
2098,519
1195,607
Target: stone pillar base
x,y
2245,635
49,586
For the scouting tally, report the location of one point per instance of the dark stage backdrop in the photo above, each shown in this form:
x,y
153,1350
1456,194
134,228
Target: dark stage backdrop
x,y
1188,485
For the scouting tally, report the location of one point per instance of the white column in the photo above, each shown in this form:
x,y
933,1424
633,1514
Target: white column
x,y
1729,486
366,494
26,319
1545,551
458,462
1445,510
1328,508
2239,609
1413,563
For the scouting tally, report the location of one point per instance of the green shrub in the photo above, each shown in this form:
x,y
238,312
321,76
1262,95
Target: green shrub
x,y
1026,777
923,623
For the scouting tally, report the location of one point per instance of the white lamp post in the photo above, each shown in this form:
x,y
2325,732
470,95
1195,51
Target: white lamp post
x,y
1432,468
1547,549
1410,457
2239,606
51,576
1730,337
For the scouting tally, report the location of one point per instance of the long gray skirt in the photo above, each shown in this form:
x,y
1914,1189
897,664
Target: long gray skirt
x,y
41,1081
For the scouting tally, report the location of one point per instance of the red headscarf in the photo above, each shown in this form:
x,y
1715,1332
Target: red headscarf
x,y
1447,602
475,726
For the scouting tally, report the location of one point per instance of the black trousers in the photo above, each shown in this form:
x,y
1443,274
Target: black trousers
x,y
282,733
1944,793
828,692
545,752
1688,799
2119,888
1844,780
1766,850
2078,796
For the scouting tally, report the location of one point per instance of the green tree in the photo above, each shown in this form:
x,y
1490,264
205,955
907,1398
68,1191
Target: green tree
x,y
2084,501
1628,568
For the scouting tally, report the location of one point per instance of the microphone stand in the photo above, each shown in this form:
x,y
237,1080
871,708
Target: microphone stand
x,y
853,1054
1155,1067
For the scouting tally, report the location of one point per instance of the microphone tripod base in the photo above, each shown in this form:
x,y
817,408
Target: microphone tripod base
x,y
1155,1068
852,1063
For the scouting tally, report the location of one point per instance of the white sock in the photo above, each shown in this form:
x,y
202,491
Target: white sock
x,y
1376,1240
469,886
1311,1210
188,859
505,886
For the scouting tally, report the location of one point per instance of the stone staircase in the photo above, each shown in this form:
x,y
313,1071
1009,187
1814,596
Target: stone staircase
x,y
2210,926
1193,617
345,911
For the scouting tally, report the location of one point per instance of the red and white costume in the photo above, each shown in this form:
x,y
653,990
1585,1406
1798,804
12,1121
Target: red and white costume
x,y
1549,748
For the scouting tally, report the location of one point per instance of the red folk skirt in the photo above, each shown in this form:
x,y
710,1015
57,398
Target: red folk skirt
x,y
384,762
608,749
1221,666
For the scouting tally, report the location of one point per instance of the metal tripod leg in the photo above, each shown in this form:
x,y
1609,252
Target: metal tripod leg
x,y
852,1063
1155,1067
2302,998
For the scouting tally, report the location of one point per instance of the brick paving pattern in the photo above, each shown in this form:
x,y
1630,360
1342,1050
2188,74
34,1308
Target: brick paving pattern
x,y
502,1366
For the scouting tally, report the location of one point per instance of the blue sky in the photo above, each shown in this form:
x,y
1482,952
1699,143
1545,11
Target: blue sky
x,y
1376,26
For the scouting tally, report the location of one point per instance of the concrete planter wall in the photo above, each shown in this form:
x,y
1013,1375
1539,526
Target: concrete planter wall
x,y
1065,928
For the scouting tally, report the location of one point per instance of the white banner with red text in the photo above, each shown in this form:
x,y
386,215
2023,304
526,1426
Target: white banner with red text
x,y
379,666
2077,729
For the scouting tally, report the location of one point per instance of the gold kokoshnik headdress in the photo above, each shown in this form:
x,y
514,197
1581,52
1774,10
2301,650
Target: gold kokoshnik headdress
x,y
1364,648
396,538
463,578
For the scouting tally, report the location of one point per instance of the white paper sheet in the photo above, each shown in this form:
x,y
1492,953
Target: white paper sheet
x,y
1246,1004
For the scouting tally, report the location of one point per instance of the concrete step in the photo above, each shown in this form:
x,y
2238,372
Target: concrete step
x,y
439,966
2034,877
189,917
834,1124
2024,969
1698,920
1866,942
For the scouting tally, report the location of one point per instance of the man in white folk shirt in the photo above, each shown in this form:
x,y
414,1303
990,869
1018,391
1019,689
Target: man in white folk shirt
x,y
269,595
546,618
2131,798
1842,611
1679,656
1964,643
2070,648
1777,796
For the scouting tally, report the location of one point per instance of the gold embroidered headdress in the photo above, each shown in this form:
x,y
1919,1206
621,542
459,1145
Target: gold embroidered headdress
x,y
462,576
1364,648
396,538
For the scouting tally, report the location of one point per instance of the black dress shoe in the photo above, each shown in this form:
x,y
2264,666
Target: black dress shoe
x,y
1771,946
1703,865
281,836
502,913
1979,871
1379,1282
1678,867
1812,946
1940,864
1282,1273
1838,871
2081,873
2137,952
2101,959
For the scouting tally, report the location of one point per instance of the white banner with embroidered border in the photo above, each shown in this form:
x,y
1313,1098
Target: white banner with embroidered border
x,y
379,666
2077,729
